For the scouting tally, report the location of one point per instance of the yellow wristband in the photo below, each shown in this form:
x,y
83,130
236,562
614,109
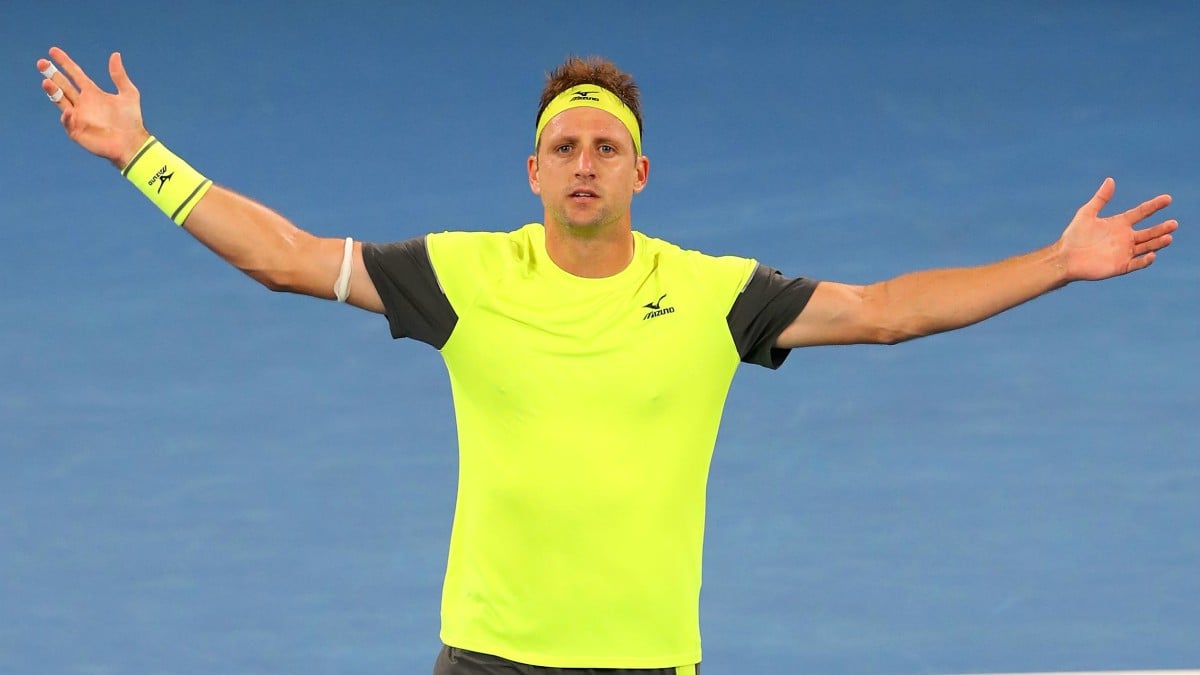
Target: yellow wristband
x,y
168,181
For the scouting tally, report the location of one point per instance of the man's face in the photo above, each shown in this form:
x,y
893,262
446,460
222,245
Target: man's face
x,y
586,169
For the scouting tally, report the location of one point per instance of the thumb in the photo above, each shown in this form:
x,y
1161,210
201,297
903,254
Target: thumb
x,y
116,70
1100,199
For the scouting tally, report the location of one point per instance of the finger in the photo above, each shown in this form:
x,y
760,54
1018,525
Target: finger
x,y
1100,199
1157,244
1141,262
61,86
55,94
1161,239
1165,227
72,69
116,70
47,68
1146,208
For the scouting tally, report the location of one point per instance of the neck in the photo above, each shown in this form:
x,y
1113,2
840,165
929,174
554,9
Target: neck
x,y
590,252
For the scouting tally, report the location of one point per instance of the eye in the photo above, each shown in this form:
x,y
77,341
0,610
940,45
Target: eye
x,y
607,149
563,149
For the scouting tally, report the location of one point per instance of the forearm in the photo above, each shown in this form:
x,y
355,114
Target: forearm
x,y
922,303
248,235
934,301
263,244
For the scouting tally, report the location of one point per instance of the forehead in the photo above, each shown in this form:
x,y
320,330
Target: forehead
x,y
587,121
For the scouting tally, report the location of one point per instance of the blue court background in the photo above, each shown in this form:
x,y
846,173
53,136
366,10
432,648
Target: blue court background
x,y
198,476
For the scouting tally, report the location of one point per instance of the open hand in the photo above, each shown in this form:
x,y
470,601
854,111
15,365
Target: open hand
x,y
107,125
1097,248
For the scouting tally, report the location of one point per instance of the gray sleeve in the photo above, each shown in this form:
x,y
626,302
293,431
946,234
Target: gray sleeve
x,y
768,304
414,303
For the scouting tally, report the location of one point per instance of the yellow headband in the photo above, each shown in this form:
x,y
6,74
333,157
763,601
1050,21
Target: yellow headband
x,y
593,96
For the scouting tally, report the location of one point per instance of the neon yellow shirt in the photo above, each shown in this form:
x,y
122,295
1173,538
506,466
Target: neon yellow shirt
x,y
587,413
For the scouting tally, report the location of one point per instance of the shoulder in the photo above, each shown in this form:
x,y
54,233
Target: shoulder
x,y
455,248
720,274
463,261
702,279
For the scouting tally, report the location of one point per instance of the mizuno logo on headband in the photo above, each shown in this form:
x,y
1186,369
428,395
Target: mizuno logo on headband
x,y
592,96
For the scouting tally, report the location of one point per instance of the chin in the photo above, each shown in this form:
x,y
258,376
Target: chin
x,y
593,223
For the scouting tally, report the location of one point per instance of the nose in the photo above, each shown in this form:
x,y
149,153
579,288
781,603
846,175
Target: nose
x,y
583,166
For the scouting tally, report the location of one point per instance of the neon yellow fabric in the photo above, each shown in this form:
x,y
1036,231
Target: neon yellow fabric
x,y
168,181
587,411
592,96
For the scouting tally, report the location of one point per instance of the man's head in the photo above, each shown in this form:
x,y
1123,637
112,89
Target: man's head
x,y
587,162
600,72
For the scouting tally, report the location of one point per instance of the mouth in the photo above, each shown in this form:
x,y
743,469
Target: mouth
x,y
583,194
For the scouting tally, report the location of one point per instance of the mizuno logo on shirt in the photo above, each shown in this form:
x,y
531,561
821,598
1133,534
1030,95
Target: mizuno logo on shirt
x,y
656,308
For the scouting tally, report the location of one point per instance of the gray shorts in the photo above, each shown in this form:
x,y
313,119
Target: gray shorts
x,y
455,661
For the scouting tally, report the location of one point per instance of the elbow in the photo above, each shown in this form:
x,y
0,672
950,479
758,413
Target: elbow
x,y
893,336
280,278
915,327
271,271
282,270
886,328
895,329
889,322
271,280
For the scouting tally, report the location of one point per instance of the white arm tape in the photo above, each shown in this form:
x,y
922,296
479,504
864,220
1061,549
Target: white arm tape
x,y
341,287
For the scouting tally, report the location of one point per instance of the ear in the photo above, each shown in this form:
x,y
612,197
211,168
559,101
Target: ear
x,y
643,173
534,184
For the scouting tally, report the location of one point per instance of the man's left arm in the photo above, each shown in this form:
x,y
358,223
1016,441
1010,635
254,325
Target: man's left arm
x,y
934,301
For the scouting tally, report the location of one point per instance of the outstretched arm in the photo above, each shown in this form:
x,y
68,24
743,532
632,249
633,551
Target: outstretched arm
x,y
922,303
248,235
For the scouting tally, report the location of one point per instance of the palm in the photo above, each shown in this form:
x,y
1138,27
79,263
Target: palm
x,y
101,121
108,125
1098,248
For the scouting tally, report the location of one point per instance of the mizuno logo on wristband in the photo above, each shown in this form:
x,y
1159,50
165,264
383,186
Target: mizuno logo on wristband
x,y
162,177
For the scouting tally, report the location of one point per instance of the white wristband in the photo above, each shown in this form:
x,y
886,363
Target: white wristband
x,y
341,287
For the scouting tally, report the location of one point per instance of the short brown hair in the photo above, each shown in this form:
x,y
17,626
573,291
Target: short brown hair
x,y
592,70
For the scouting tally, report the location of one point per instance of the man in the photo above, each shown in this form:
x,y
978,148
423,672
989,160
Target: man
x,y
589,363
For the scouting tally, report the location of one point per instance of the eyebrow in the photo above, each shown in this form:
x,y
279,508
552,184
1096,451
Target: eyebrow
x,y
555,141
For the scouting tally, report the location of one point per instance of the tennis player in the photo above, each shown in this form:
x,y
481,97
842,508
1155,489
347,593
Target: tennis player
x,y
589,363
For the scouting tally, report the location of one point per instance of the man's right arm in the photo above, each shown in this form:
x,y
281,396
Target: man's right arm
x,y
250,236
276,253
